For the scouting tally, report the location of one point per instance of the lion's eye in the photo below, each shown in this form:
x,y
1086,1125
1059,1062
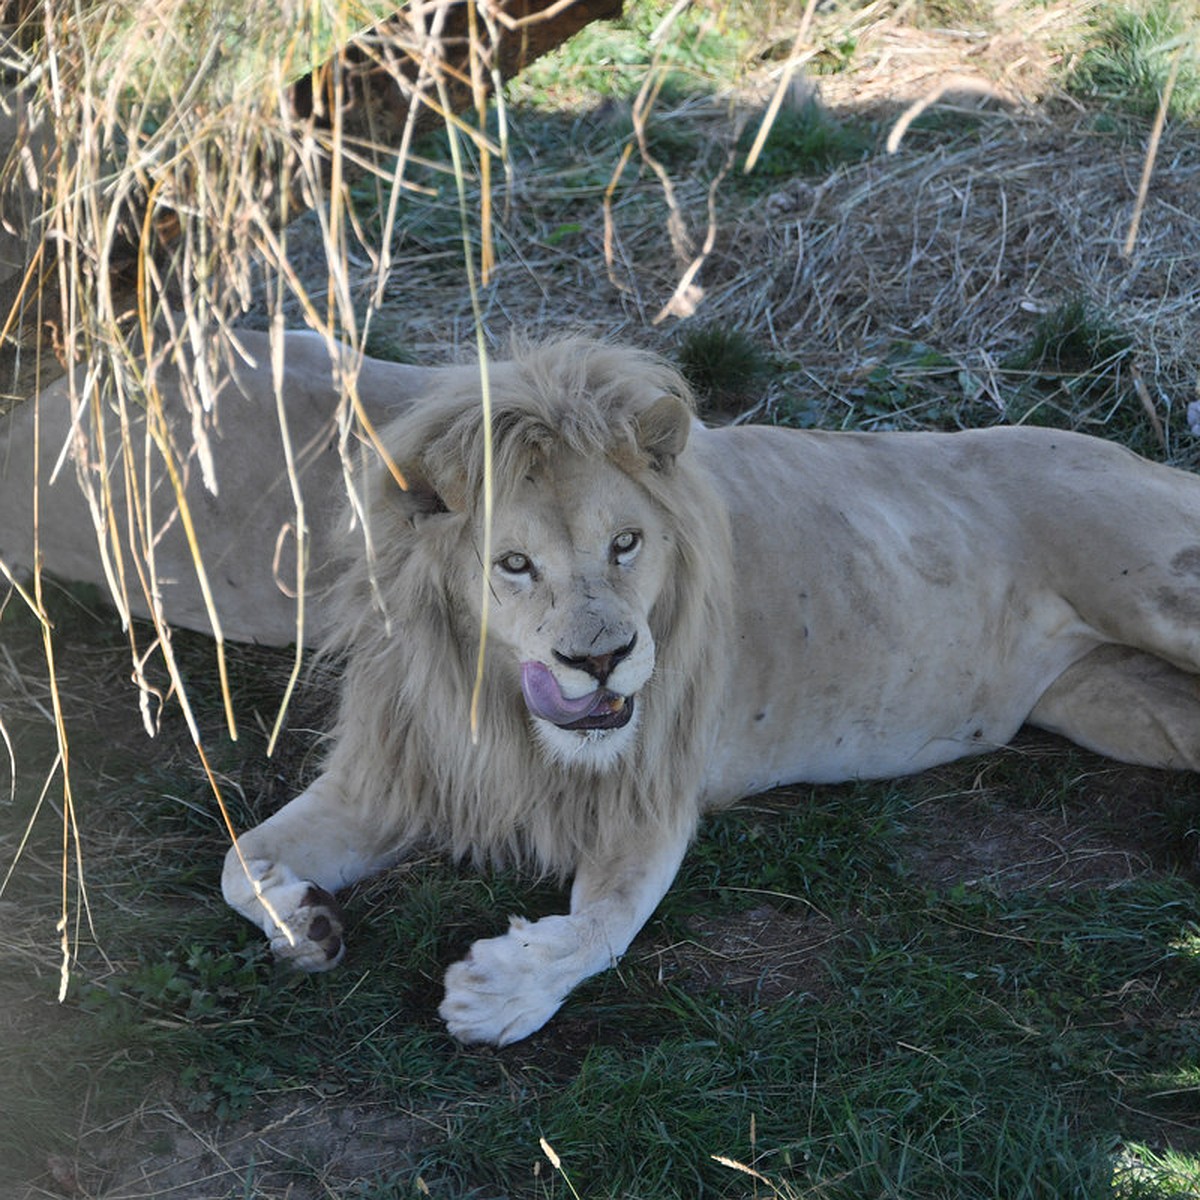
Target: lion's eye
x,y
515,564
625,545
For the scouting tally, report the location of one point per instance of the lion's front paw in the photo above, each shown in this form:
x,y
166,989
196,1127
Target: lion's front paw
x,y
302,921
311,938
509,987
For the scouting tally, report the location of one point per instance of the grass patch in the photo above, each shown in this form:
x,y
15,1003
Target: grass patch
x,y
904,384
835,55
1075,373
811,1000
804,140
723,366
1127,64
609,60
1074,339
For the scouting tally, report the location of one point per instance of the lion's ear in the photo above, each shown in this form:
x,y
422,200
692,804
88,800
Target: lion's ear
x,y
420,497
422,500
662,430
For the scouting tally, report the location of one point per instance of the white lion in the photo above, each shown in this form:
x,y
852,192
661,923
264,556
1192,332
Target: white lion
x,y
682,616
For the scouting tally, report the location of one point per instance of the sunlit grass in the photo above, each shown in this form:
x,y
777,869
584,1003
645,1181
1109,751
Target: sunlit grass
x,y
1142,1173
701,47
154,57
1129,59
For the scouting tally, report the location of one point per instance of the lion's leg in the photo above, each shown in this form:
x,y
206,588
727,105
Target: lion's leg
x,y
1126,556
282,874
508,987
1126,704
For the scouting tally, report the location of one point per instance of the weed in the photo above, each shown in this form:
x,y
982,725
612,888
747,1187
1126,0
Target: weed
x,y
1075,374
835,56
198,985
912,385
228,1090
386,339
1074,339
945,126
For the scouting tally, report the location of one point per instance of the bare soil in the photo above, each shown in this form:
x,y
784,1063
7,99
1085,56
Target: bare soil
x,y
305,1148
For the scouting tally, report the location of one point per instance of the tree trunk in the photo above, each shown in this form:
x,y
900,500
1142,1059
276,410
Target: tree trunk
x,y
374,106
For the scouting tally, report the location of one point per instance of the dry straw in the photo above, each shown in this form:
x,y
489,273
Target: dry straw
x,y
156,157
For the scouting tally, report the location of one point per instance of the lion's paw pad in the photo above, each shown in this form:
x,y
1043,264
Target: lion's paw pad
x,y
310,936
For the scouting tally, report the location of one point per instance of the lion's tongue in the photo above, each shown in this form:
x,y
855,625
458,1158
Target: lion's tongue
x,y
545,700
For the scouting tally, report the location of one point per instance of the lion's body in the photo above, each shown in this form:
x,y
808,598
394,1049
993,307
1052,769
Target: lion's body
x,y
679,617
915,595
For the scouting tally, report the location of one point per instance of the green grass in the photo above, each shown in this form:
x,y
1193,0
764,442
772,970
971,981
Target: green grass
x,y
1125,68
1075,373
208,51
722,365
804,140
1074,339
608,61
924,1038
902,385
912,385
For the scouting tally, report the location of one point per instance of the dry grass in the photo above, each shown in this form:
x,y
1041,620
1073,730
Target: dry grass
x,y
968,235
964,248
154,158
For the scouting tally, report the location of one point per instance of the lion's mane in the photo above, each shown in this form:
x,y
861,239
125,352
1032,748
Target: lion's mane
x,y
402,744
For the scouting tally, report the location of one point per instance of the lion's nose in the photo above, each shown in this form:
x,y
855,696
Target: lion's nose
x,y
598,666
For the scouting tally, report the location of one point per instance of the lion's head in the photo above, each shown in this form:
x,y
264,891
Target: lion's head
x,y
606,558
578,562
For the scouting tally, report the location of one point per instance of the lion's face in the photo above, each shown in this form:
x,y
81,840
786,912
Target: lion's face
x,y
579,557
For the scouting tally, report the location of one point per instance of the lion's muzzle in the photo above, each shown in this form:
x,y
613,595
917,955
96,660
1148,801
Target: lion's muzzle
x,y
600,709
